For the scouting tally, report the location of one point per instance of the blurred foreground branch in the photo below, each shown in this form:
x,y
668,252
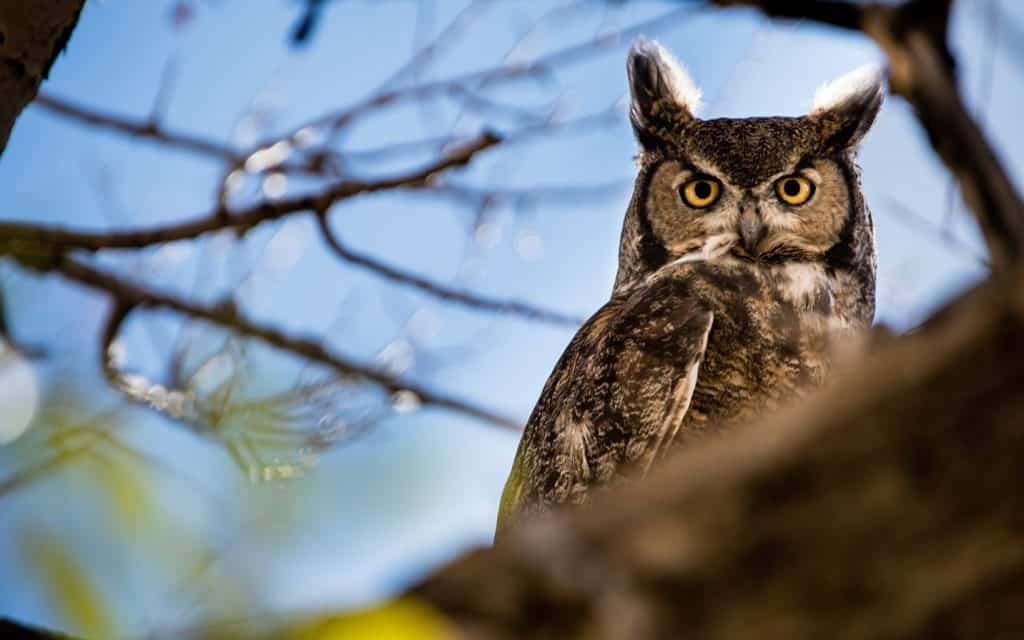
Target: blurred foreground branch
x,y
885,508
20,631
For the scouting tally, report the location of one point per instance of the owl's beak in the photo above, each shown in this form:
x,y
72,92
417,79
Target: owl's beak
x,y
752,230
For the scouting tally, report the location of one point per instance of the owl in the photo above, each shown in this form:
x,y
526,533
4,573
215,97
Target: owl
x,y
747,250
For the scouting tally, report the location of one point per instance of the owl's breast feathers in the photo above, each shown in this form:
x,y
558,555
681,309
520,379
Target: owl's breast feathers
x,y
691,349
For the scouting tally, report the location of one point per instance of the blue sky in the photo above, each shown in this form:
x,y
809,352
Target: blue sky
x,y
378,511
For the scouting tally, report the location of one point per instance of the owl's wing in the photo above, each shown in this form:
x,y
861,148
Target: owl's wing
x,y
664,337
617,397
678,402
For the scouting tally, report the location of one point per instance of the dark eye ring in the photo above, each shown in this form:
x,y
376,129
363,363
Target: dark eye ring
x,y
700,193
794,190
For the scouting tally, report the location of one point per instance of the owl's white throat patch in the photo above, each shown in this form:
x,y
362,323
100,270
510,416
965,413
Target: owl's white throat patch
x,y
804,284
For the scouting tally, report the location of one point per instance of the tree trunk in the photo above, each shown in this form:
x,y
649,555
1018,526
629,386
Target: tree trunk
x,y
32,34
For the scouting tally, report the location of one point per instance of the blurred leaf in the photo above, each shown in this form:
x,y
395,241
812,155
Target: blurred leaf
x,y
272,432
58,435
403,619
74,597
124,479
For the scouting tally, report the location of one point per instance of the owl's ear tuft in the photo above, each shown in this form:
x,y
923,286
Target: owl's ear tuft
x,y
847,106
664,98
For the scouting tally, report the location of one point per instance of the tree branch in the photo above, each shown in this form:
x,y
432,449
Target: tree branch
x,y
127,296
504,73
448,294
39,246
147,129
58,239
13,629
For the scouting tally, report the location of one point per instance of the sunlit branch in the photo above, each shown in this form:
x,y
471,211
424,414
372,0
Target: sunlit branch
x,y
15,236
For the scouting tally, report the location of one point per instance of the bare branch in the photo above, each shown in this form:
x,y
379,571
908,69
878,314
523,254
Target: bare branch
x,y
587,122
16,236
909,217
440,291
14,629
46,243
504,73
445,37
126,296
149,129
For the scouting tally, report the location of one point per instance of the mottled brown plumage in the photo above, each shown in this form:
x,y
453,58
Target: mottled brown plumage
x,y
746,251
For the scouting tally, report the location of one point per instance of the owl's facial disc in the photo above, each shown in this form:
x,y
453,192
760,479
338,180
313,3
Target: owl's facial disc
x,y
794,213
765,189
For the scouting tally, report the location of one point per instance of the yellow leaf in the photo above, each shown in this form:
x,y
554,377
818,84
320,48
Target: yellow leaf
x,y
73,595
402,619
124,481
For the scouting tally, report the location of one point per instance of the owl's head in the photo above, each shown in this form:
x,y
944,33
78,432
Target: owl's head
x,y
774,189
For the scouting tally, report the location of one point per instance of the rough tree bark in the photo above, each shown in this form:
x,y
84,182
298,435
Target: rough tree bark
x,y
32,35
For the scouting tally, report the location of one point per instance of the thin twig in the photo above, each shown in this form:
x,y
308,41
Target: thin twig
x,y
567,194
604,117
50,239
909,217
31,240
472,300
128,295
446,37
148,129
504,73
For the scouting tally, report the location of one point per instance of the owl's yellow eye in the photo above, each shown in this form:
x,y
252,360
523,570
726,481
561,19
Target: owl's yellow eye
x,y
794,190
700,193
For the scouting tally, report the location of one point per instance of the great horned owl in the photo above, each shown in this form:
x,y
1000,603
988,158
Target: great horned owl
x,y
746,247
